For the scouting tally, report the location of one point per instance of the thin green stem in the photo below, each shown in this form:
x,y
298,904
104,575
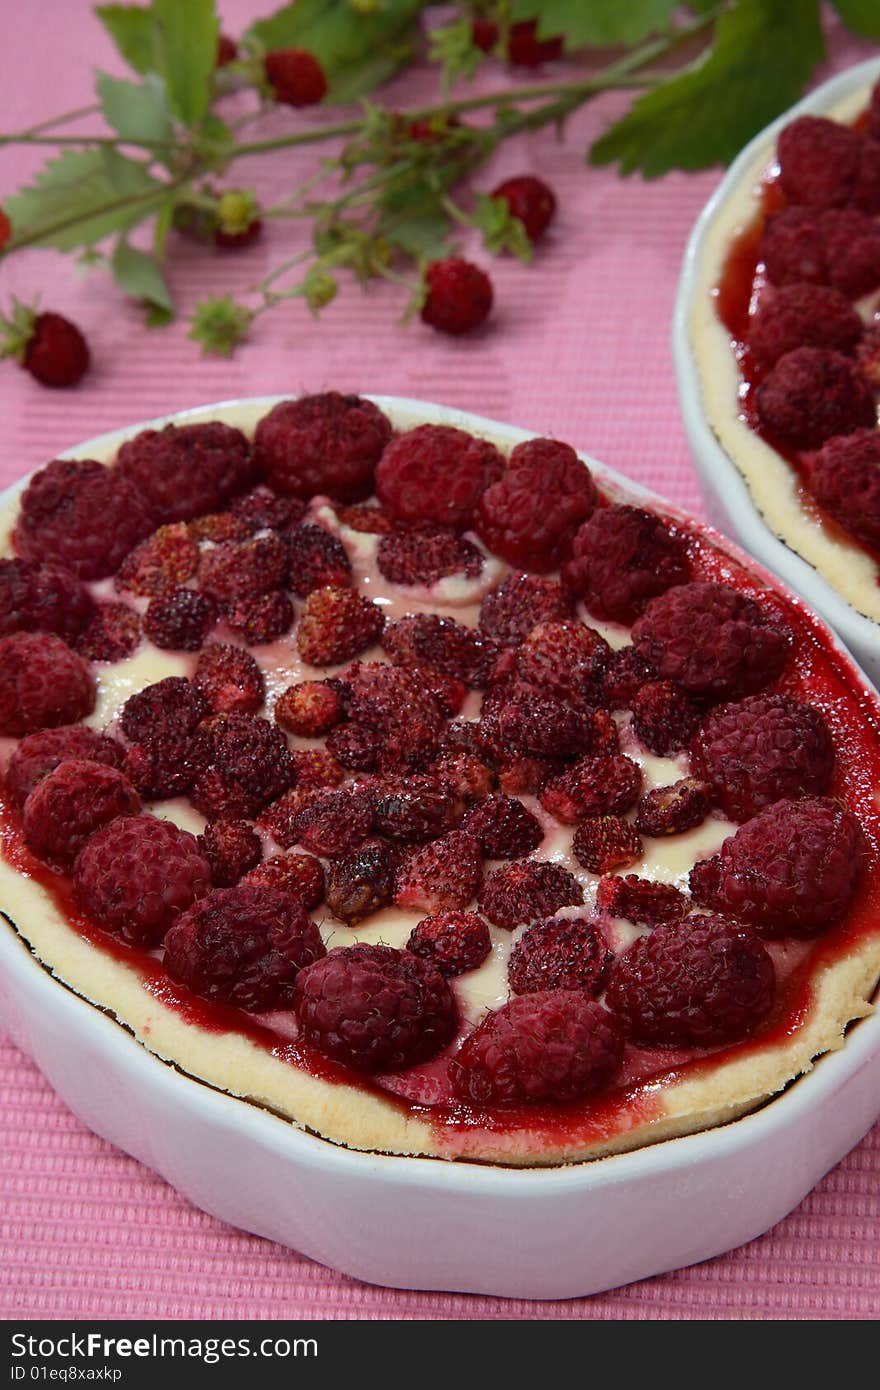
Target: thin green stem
x,y
67,118
114,141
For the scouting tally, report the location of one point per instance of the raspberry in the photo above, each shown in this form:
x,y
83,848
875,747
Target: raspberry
x,y
375,1008
160,770
761,750
231,847
568,954
137,874
426,555
868,356
818,161
844,478
69,804
436,473
594,786
874,112
243,763
328,444
526,50
565,659
509,612
113,634
791,870
186,470
316,767
369,520
161,563
262,509
298,875
295,76
309,709
812,394
664,717
528,889
714,641
56,353
622,557
40,753
180,620
540,726
504,828
455,942
802,315
335,823
531,201
317,559
336,625
866,193
413,809
42,683
604,843
217,527
261,618
640,900
169,709
81,515
674,809
792,247
507,519
458,296
243,946
242,569
693,984
468,776
361,883
230,679
624,677
441,876
37,597
455,650
557,1045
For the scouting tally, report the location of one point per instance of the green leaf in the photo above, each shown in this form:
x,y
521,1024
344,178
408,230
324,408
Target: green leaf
x,y
138,274
357,51
131,29
220,324
705,114
136,110
81,197
186,52
601,23
453,47
501,230
862,16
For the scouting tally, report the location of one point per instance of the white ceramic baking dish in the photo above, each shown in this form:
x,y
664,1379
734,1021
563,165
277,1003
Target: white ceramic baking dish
x,y
425,1223
762,512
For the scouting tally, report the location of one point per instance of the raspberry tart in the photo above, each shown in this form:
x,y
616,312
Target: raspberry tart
x,y
777,350
355,787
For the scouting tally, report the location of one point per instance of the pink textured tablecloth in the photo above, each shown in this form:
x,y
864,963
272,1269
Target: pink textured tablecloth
x,y
578,347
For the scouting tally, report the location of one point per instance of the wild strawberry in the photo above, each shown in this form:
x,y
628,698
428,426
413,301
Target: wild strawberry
x,y
664,717
170,708
180,620
161,769
317,559
526,50
316,767
469,777
604,843
369,520
299,875
242,569
566,954
261,618
540,726
164,561
593,786
484,33
239,223
526,890
565,660
362,882
504,827
453,941
436,474
627,671
230,679
413,809
509,612
227,51
441,876
333,823
641,900
310,708
295,77
263,509
427,639
531,201
47,345
243,763
674,809
43,684
337,625
458,296
426,555
231,847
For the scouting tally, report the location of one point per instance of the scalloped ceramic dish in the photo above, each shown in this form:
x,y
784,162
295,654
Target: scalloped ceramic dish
x,y
751,491
425,1222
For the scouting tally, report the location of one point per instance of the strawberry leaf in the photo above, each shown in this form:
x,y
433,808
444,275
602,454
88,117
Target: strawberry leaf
x,y
138,274
601,23
81,197
131,29
862,16
186,49
136,110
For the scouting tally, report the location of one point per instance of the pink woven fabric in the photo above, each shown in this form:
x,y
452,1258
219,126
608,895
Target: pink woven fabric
x,y
578,347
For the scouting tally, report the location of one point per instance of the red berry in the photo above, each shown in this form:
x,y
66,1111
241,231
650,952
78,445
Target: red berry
x,y
375,1009
441,876
641,900
604,843
413,809
137,874
42,683
426,555
866,193
468,776
230,679
219,526
622,557
697,983
711,639
458,296
844,478
792,247
264,509
37,597
538,725
564,659
362,882
427,639
316,559
81,515
309,709
180,620
594,786
504,827
261,618
186,470
530,200
526,50
484,33
436,473
509,612
298,875
171,708
762,750
455,942
316,767
295,76
791,870
243,763
244,569
868,357
674,809
818,161
337,625
113,634
664,717
40,753
325,444
557,1045
537,537
368,519
802,315
227,51
161,563
565,954
231,847
335,822
812,394
624,677
5,230
70,804
238,240
162,769
526,890
281,819
56,354
525,776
